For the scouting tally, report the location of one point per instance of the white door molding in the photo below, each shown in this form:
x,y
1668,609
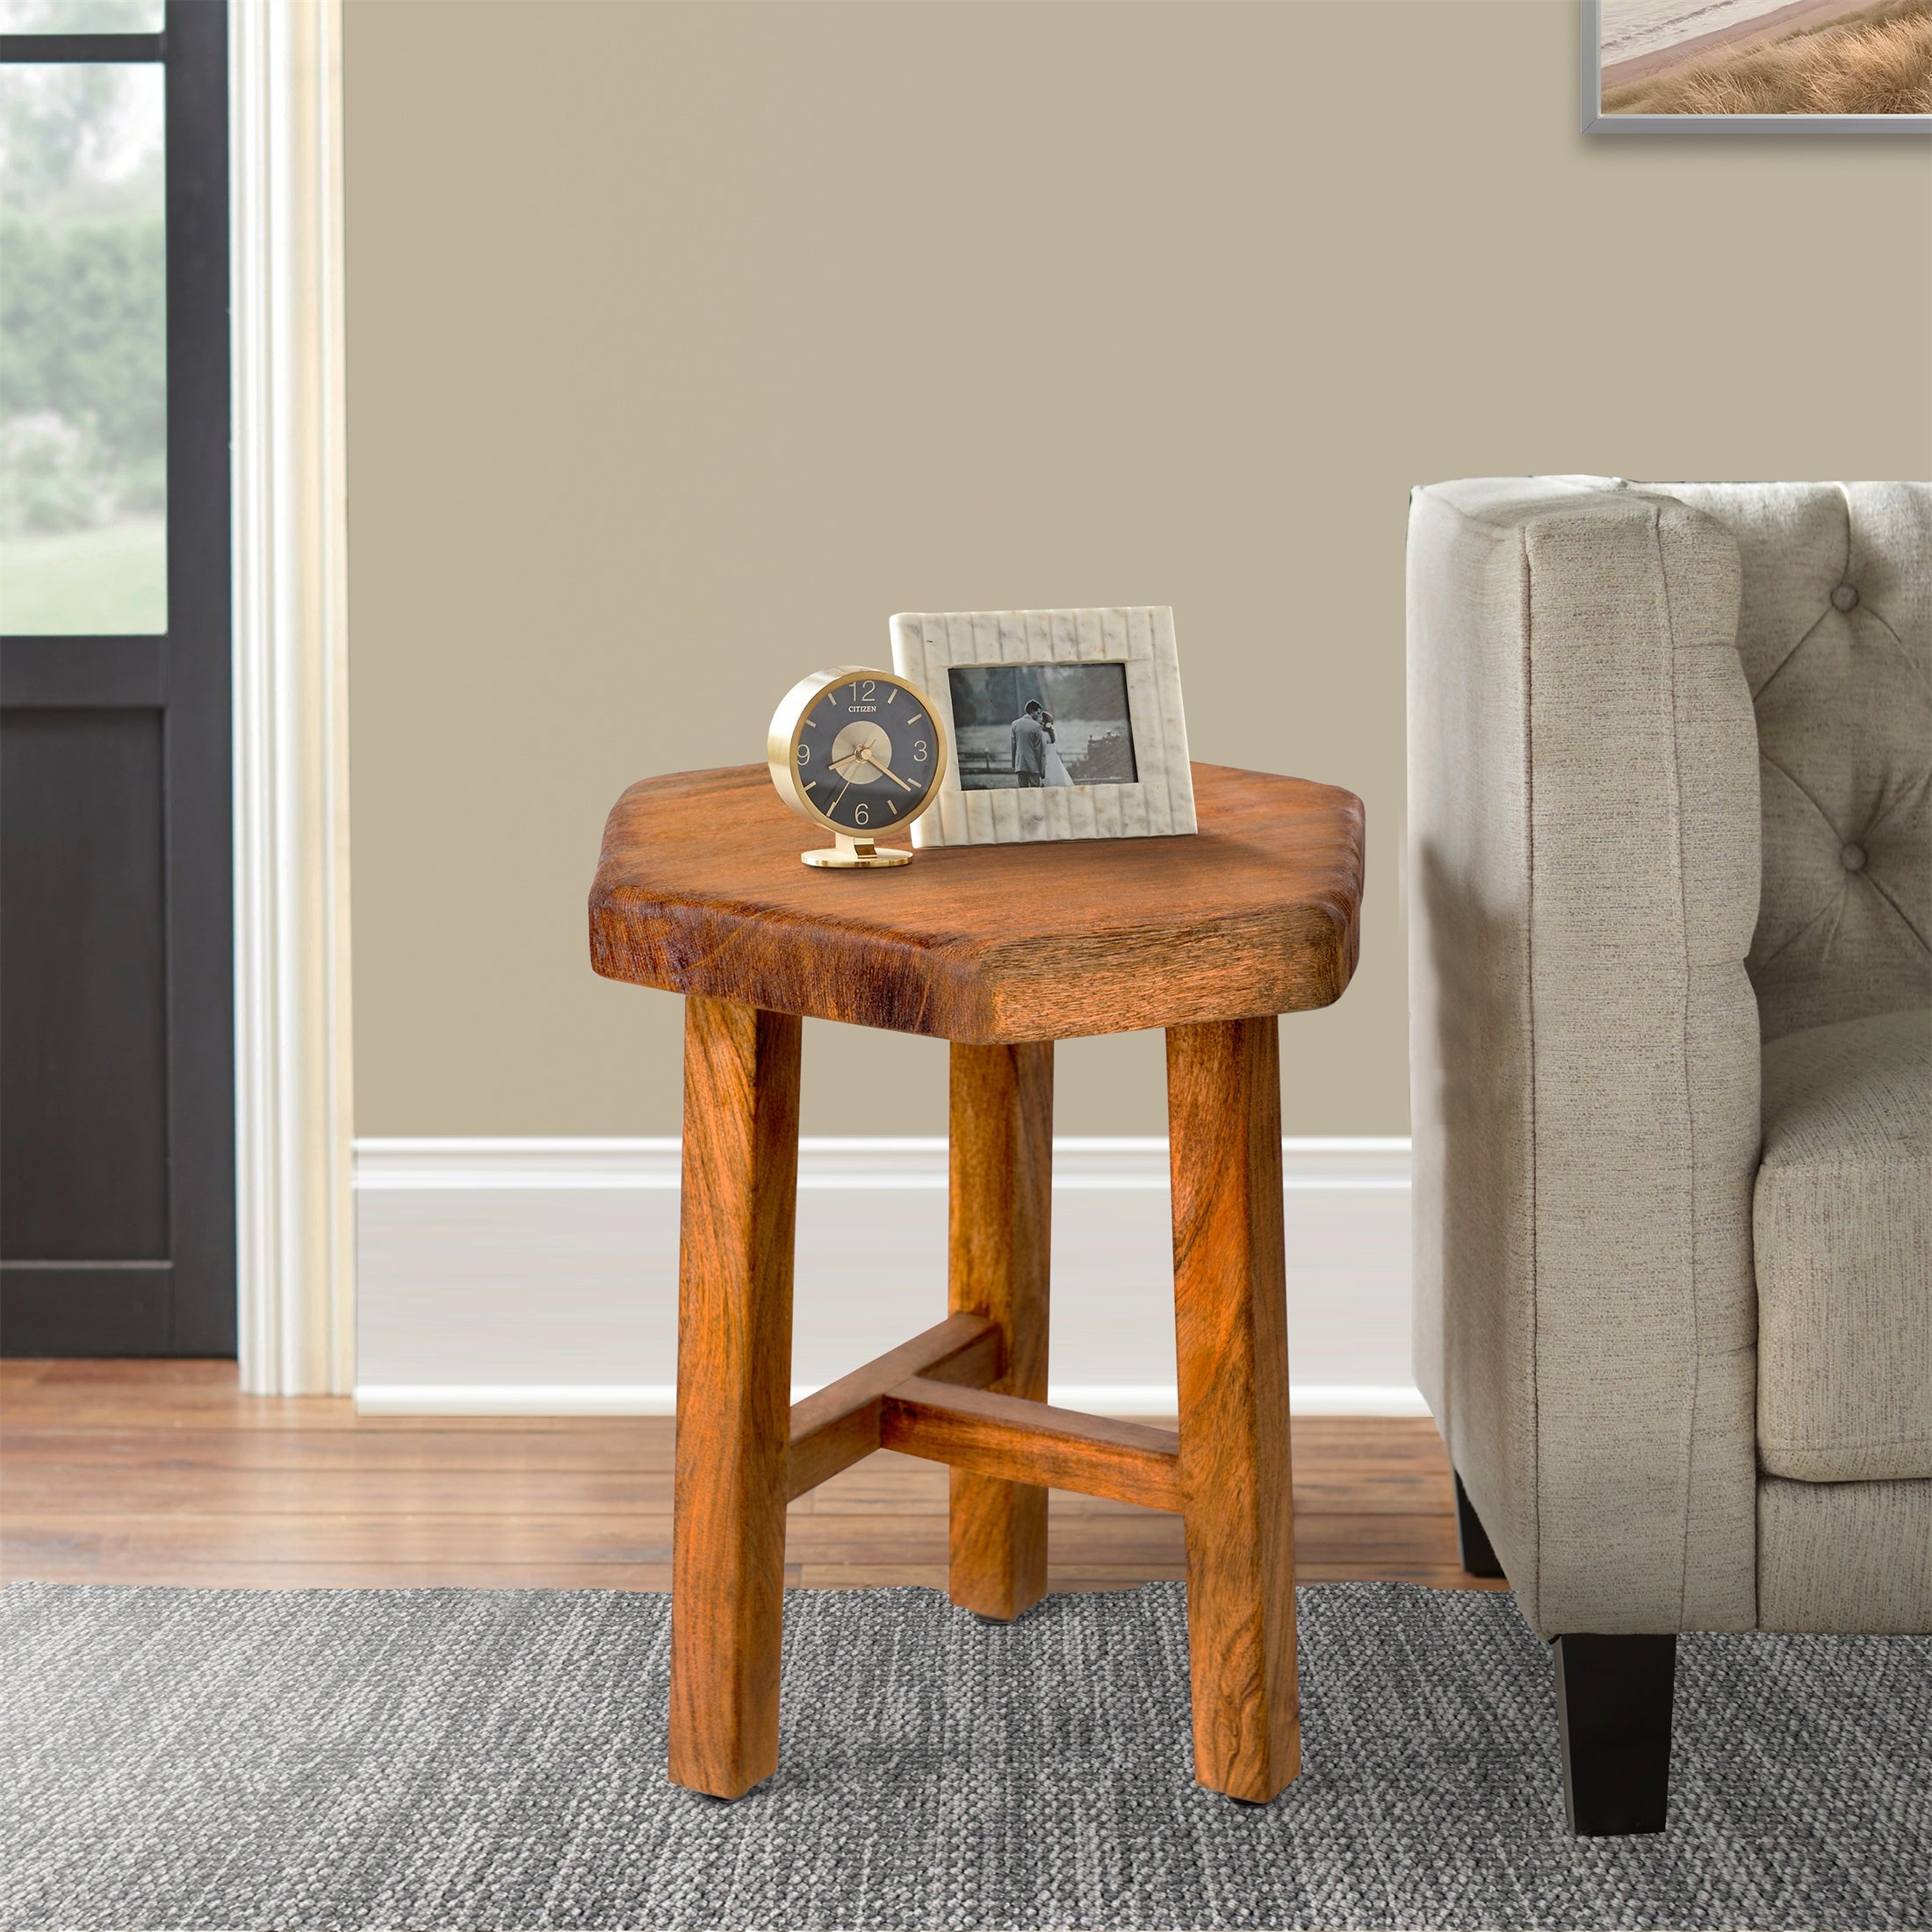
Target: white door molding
x,y
294,1213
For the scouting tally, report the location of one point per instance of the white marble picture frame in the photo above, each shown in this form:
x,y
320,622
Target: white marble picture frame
x,y
927,645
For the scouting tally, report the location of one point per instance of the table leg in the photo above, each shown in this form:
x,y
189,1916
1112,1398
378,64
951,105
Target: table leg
x,y
734,1376
1230,1319
1002,1205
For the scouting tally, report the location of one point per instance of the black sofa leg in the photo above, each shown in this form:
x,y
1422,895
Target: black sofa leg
x,y
1613,1714
1472,1544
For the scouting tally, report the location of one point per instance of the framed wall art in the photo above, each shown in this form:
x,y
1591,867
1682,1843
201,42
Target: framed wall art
x,y
1062,724
1681,66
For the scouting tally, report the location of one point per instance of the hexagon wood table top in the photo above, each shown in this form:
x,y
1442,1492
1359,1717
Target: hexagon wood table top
x,y
699,890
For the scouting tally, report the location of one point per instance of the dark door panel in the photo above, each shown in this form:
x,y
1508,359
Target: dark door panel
x,y
84,1057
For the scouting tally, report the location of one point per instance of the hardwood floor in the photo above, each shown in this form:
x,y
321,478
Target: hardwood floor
x,y
161,1473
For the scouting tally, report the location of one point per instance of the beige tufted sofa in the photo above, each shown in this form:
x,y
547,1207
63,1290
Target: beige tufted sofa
x,y
1670,888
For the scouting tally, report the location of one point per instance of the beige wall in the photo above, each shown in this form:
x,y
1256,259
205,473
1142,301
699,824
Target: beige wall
x,y
688,342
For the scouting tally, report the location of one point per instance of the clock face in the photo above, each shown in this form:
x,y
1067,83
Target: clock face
x,y
867,754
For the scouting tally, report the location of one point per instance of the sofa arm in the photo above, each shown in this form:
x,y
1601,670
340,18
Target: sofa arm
x,y
1583,853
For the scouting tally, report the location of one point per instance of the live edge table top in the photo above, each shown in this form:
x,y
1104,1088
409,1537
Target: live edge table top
x,y
699,890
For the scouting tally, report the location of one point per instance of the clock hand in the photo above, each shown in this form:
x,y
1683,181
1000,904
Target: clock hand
x,y
885,771
858,755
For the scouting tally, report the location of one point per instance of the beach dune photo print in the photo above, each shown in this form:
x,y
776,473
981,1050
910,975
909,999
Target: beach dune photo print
x,y
1838,64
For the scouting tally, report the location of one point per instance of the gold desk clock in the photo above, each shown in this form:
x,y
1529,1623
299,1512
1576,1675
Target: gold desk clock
x,y
859,755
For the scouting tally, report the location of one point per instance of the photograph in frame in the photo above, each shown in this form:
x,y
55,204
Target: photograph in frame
x,y
1062,724
1021,726
1757,65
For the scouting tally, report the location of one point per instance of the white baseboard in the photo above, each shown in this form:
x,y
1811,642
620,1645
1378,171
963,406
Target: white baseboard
x,y
660,1398
539,1277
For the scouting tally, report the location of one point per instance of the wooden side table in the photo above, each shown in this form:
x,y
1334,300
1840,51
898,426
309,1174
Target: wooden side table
x,y
1002,951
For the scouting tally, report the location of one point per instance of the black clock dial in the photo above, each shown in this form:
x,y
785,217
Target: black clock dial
x,y
867,754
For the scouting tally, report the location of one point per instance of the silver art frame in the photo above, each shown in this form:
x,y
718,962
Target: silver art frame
x,y
928,645
1597,122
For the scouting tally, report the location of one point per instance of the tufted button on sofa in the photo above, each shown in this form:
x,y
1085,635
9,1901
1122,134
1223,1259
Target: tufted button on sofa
x,y
1670,839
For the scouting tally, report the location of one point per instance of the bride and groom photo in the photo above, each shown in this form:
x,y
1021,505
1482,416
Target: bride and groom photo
x,y
1031,726
1036,761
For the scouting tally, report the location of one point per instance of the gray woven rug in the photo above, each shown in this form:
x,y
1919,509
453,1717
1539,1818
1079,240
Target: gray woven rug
x,y
474,1758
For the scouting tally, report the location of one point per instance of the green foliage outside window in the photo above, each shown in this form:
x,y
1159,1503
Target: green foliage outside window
x,y
83,417
83,412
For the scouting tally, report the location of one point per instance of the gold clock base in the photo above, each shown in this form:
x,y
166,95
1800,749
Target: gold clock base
x,y
854,853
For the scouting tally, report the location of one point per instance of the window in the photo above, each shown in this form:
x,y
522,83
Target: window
x,y
84,324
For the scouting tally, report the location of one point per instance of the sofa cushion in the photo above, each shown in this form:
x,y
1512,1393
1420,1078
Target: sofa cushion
x,y
1842,1230
1835,633
1844,1556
